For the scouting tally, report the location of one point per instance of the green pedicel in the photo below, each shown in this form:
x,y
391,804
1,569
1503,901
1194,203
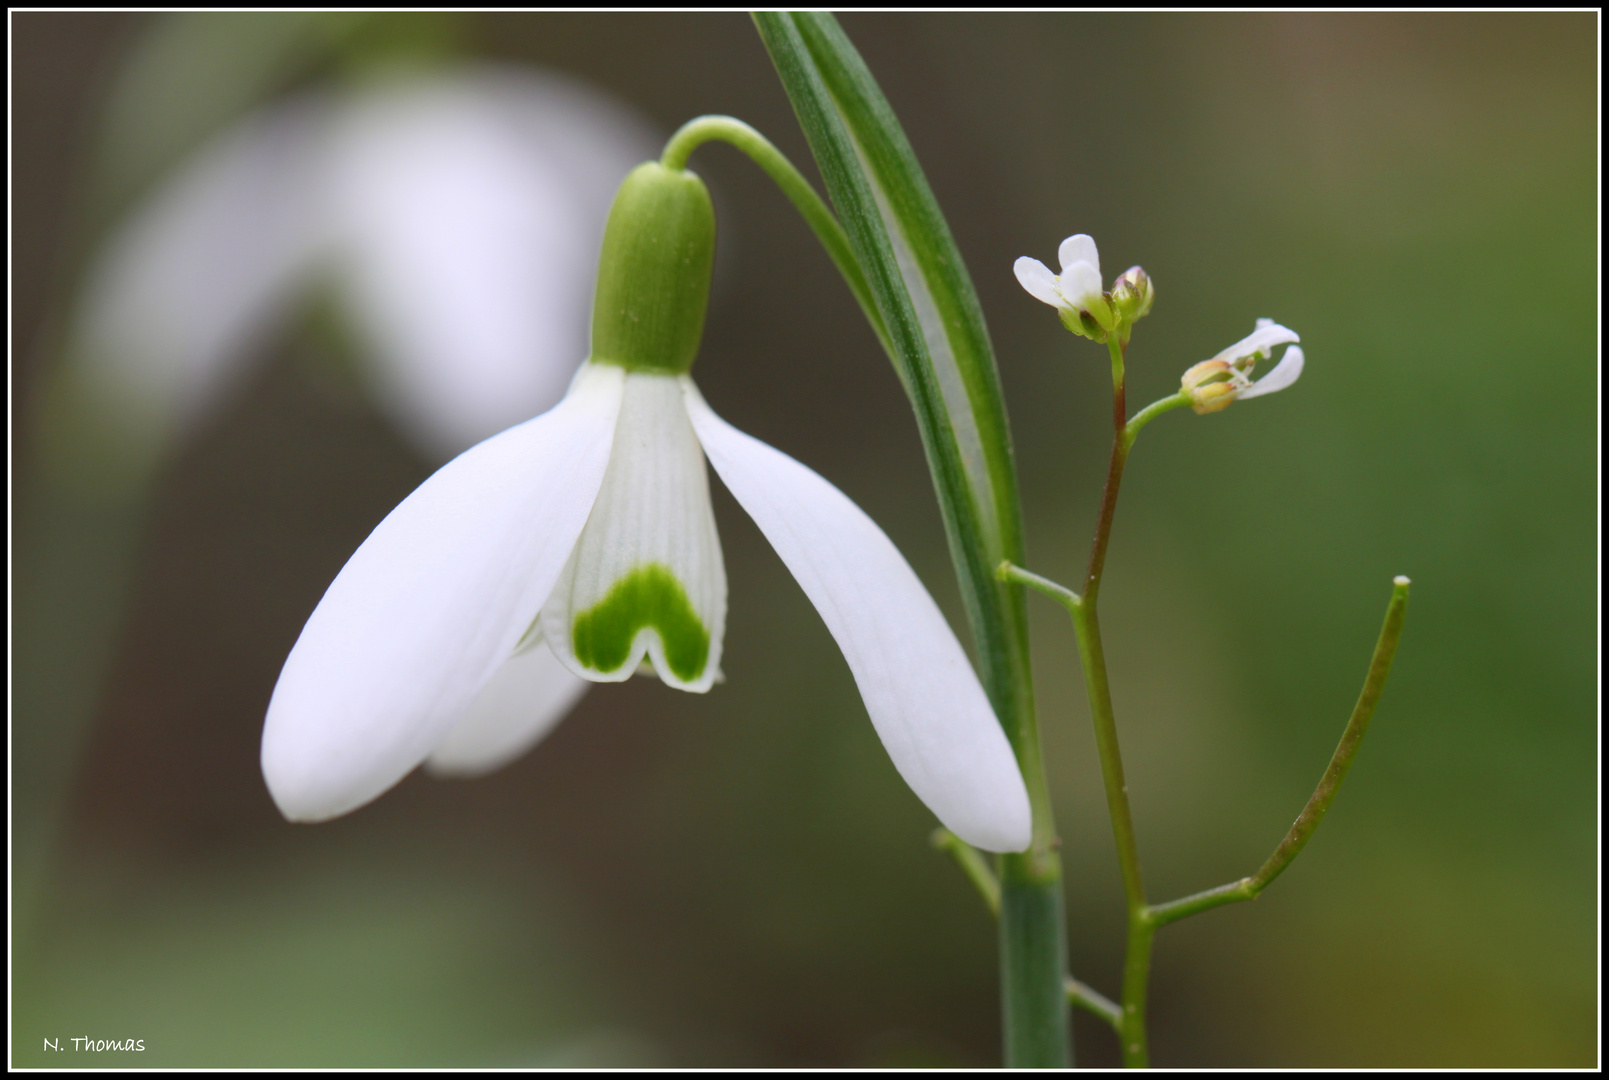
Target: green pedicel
x,y
649,596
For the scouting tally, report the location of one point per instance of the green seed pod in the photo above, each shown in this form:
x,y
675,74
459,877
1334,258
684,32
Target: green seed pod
x,y
654,274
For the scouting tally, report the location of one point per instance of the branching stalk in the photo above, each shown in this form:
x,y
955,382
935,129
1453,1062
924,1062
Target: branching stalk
x,y
1129,1018
1093,1001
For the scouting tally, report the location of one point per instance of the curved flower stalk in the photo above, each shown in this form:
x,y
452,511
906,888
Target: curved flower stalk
x,y
589,529
453,215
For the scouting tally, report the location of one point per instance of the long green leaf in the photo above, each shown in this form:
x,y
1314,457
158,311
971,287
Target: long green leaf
x,y
940,346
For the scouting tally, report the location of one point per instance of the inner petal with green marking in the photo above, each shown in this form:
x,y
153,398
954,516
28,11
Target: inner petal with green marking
x,y
645,581
647,598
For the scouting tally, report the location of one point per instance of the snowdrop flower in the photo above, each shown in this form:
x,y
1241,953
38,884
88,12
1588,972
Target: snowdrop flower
x,y
1076,292
1215,384
589,529
453,215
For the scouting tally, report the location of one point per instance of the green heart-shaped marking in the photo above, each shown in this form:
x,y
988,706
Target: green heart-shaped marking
x,y
649,596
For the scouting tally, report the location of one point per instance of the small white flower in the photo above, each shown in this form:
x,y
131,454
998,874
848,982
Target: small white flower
x,y
1214,384
589,529
1077,290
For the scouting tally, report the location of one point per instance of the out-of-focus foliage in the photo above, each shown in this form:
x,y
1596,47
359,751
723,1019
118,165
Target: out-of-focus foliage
x,y
741,879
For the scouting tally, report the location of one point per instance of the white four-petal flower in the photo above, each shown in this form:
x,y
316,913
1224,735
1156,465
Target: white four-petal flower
x,y
1078,288
1214,384
590,528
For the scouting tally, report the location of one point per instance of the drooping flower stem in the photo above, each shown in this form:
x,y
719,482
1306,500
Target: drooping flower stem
x,y
728,129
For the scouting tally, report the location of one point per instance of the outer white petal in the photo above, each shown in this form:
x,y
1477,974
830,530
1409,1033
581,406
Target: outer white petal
x,y
525,699
1080,283
431,604
1077,249
1261,340
1036,277
1287,371
198,273
646,577
920,691
472,208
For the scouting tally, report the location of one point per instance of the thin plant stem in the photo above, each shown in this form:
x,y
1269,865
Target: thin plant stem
x,y
1016,575
1092,653
1093,1001
1130,1016
973,865
1131,430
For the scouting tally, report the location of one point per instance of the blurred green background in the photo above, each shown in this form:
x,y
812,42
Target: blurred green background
x,y
740,879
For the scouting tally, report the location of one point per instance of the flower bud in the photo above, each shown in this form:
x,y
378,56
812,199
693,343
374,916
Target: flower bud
x,y
1210,386
1133,294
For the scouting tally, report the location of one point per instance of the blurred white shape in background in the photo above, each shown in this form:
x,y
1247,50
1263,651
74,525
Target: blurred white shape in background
x,y
455,216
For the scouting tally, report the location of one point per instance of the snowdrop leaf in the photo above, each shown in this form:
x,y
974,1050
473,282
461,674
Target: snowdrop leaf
x,y
940,343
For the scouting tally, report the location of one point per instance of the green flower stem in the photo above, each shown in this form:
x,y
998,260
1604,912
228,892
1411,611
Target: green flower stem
x,y
1016,575
977,871
1136,972
1086,621
1033,951
1093,1001
700,130
1131,430
973,865
1385,650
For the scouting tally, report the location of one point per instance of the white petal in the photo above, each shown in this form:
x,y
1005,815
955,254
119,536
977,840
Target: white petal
x,y
1077,249
646,577
472,207
920,691
198,274
431,604
1081,285
526,698
1287,371
1036,277
1260,341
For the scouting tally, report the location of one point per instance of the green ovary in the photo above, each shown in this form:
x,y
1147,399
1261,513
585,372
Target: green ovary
x,y
649,596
